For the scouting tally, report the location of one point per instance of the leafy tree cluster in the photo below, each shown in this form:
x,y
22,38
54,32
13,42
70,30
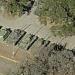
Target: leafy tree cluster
x,y
48,61
59,11
14,7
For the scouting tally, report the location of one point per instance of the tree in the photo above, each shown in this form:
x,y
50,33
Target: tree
x,y
14,7
59,11
48,61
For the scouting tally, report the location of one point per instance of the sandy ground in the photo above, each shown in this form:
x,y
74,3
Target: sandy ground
x,y
6,66
6,52
8,61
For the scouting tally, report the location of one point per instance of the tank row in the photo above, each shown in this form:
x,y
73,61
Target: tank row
x,y
23,40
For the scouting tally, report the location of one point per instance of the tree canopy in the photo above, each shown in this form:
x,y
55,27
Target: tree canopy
x,y
59,11
14,7
47,61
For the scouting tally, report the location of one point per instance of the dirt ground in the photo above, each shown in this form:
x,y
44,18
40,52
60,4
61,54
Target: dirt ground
x,y
6,52
8,61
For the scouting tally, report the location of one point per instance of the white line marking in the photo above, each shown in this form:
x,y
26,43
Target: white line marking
x,y
8,59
